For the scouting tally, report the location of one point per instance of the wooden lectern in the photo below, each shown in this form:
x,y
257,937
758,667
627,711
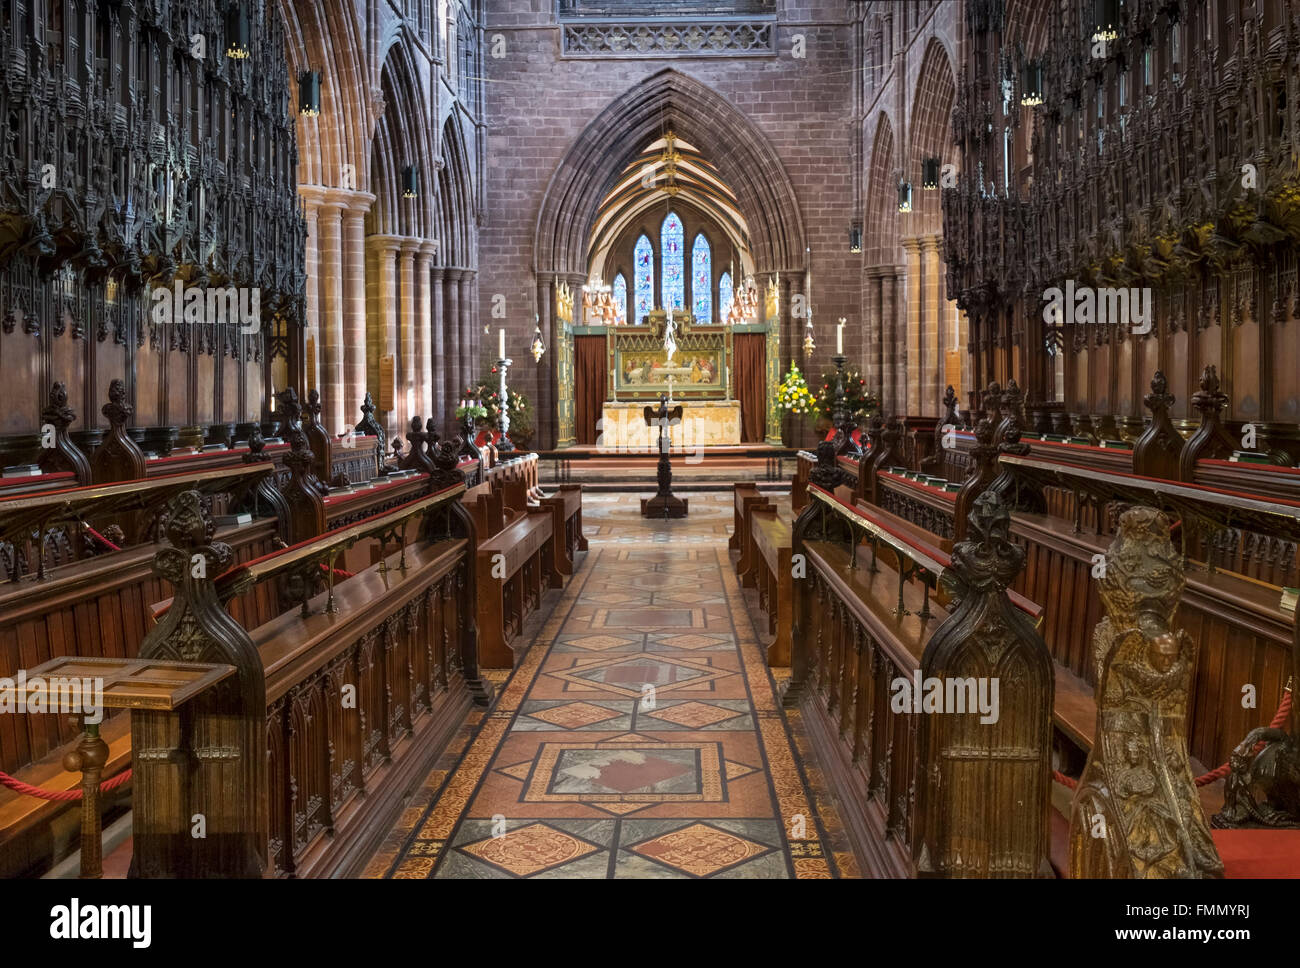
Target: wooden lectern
x,y
664,504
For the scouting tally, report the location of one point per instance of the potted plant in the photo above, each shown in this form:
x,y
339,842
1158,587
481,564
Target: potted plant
x,y
794,397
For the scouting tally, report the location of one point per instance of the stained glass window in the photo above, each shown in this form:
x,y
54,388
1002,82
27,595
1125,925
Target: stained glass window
x,y
672,242
644,277
702,279
724,295
620,297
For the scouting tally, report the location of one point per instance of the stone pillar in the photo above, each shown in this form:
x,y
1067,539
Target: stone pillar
x,y
384,333
428,402
468,361
311,366
330,220
455,338
354,300
932,340
408,404
912,322
445,399
873,332
892,364
545,409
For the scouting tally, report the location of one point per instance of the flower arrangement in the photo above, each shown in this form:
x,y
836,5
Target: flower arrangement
x,y
487,394
858,400
793,393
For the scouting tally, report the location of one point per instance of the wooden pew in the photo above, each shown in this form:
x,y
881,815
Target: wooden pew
x,y
515,565
771,550
749,499
870,616
743,494
354,692
566,509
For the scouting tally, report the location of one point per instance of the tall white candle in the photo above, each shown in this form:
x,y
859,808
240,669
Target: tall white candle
x,y
501,344
839,338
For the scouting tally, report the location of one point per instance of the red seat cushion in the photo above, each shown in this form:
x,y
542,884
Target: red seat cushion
x,y
1259,853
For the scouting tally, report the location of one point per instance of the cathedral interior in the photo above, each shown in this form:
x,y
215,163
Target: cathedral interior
x,y
728,439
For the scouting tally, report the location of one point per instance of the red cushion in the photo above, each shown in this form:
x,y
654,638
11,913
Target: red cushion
x,y
1259,853
830,434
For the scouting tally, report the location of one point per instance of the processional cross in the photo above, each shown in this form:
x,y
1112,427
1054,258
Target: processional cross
x,y
664,503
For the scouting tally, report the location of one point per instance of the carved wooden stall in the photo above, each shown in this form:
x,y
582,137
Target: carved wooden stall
x,y
923,794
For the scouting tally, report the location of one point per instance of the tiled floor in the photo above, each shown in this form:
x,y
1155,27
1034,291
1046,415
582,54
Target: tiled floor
x,y
640,737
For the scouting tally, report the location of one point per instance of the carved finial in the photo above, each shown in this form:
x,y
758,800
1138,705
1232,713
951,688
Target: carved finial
x,y
313,402
1159,397
368,404
289,411
989,561
300,456
117,410
256,444
826,474
57,411
1210,379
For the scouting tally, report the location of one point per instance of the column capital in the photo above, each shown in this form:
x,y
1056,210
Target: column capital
x,y
428,248
385,243
409,247
913,244
452,275
325,196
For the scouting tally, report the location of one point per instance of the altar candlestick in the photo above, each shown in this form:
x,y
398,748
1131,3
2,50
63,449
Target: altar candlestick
x,y
501,344
839,337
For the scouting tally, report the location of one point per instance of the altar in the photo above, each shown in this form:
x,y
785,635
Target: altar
x,y
705,423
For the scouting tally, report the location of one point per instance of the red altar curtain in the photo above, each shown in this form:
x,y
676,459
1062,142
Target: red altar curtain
x,y
590,378
751,385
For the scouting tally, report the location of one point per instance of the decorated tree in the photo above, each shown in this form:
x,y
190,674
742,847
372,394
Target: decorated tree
x,y
859,402
487,393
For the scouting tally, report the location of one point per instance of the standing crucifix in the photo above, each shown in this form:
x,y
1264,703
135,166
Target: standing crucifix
x,y
664,503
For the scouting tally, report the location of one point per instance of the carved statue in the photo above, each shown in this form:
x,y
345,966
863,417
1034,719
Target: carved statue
x,y
1136,812
1262,788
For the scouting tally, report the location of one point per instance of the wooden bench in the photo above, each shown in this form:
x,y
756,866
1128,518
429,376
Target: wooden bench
x,y
515,565
566,508
771,543
746,499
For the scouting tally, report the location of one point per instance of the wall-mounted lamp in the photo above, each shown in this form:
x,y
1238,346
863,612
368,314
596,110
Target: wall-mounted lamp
x,y
855,237
904,196
239,32
309,94
410,181
929,174
1031,83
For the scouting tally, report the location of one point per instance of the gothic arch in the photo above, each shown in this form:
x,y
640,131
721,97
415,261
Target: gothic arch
x,y
881,225
457,240
401,139
324,36
701,116
931,134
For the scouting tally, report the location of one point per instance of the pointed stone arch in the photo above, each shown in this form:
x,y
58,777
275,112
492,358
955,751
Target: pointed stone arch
x,y
931,133
667,100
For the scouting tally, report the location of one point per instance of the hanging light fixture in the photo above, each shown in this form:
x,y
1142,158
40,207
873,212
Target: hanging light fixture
x,y
855,237
538,347
239,31
410,181
1031,83
309,94
1106,20
904,196
809,344
929,174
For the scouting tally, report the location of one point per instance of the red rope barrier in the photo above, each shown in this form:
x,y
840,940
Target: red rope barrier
x,y
100,538
27,789
337,571
1205,779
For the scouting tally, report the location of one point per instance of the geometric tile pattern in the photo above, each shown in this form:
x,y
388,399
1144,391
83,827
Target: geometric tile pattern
x,y
641,735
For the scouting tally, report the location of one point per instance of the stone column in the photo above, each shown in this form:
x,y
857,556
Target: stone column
x,y
455,338
408,404
893,365
384,335
469,363
330,221
354,300
444,397
427,401
547,399
932,340
873,332
311,196
913,321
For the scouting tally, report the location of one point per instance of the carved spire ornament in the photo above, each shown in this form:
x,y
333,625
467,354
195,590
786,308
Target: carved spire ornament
x,y
1136,812
1155,453
118,458
64,455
